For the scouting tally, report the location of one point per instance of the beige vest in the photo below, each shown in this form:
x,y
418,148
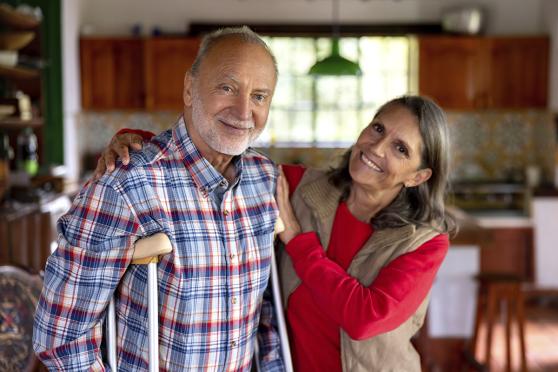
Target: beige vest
x,y
315,203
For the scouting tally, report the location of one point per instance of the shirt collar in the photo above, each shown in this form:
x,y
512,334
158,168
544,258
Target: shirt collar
x,y
205,176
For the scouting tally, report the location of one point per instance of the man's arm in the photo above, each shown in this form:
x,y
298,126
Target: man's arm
x,y
93,253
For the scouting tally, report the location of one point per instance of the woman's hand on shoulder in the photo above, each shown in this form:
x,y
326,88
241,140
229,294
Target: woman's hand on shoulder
x,y
286,213
118,147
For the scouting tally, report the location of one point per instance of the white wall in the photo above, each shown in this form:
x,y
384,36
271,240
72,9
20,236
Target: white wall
x,y
117,16
71,101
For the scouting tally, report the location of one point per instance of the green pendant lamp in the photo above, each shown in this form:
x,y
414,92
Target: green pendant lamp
x,y
335,64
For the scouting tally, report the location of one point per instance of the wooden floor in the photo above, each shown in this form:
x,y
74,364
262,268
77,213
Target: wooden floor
x,y
541,332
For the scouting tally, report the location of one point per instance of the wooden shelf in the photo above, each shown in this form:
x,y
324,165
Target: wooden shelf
x,y
11,17
19,72
13,122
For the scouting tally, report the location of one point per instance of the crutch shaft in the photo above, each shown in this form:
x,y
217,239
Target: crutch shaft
x,y
153,317
111,336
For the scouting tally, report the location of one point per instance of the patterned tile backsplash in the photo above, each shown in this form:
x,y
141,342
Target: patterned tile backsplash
x,y
488,145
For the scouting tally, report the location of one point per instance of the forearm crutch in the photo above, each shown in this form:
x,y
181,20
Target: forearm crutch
x,y
281,323
278,304
146,252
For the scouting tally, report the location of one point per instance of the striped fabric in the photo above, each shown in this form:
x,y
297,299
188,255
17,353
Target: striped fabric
x,y
210,287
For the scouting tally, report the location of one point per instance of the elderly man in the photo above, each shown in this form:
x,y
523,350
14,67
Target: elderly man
x,y
200,185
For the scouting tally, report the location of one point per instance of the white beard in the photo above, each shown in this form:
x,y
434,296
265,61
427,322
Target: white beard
x,y
216,139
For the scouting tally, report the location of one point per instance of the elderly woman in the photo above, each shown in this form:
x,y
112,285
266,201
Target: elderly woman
x,y
363,242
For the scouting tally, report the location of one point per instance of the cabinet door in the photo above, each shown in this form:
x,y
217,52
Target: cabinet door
x,y
112,73
452,71
167,60
510,250
519,72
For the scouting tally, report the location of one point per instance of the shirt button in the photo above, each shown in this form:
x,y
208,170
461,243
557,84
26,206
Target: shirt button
x,y
234,300
232,256
204,192
223,183
233,343
226,212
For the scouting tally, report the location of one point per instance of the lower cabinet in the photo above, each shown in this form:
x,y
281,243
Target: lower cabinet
x,y
27,232
510,251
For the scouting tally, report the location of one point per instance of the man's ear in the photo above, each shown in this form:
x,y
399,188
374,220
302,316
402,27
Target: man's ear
x,y
187,92
420,176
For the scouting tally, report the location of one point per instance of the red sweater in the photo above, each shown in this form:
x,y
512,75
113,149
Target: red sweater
x,y
329,299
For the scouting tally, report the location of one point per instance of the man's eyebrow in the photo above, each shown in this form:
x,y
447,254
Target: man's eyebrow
x,y
236,81
263,90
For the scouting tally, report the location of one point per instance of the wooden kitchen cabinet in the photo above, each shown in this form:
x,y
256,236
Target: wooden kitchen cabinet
x,y
472,72
166,62
451,71
134,73
112,73
509,251
519,72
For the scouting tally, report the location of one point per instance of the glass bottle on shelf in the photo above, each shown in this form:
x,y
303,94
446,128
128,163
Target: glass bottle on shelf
x,y
6,154
27,158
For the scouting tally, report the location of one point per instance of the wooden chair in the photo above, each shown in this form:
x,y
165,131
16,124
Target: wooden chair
x,y
495,291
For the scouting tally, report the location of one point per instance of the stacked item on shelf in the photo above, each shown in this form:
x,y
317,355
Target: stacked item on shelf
x,y
18,28
18,24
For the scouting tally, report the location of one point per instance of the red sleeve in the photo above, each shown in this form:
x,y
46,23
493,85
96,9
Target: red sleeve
x,y
364,312
294,174
146,135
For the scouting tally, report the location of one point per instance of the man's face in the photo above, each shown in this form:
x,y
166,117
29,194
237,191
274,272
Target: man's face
x,y
230,97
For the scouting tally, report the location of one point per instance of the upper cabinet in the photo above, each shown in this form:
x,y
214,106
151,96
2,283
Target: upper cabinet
x,y
135,73
519,72
166,62
484,72
112,73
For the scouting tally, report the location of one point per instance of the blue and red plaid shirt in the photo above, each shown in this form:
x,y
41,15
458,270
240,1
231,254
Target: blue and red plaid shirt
x,y
210,287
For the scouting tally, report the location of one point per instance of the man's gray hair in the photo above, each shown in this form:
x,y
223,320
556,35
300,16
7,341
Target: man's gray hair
x,y
244,33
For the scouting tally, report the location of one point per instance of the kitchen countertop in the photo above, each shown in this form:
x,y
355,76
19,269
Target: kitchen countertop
x,y
495,219
503,221
474,227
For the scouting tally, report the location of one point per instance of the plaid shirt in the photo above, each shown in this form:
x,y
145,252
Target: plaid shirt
x,y
210,287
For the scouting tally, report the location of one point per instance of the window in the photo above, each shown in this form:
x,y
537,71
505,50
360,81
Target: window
x,y
331,111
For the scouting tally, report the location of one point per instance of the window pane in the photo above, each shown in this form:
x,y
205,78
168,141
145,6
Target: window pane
x,y
332,110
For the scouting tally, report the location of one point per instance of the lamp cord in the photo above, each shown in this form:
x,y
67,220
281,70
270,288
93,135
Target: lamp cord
x,y
335,18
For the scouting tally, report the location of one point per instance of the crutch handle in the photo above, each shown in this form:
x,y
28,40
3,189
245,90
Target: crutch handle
x,y
148,250
279,226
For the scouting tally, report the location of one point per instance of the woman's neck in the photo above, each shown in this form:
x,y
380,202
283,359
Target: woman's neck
x,y
365,204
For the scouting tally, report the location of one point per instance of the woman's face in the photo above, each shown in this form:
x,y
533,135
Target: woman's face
x,y
387,154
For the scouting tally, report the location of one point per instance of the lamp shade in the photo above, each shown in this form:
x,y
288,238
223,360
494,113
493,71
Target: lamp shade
x,y
335,64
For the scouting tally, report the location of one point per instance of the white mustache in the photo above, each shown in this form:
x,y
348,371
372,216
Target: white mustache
x,y
240,124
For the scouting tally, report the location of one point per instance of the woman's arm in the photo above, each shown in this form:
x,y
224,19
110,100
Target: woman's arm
x,y
363,312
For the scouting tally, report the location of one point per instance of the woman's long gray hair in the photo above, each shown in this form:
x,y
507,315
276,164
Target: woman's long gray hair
x,y
422,205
